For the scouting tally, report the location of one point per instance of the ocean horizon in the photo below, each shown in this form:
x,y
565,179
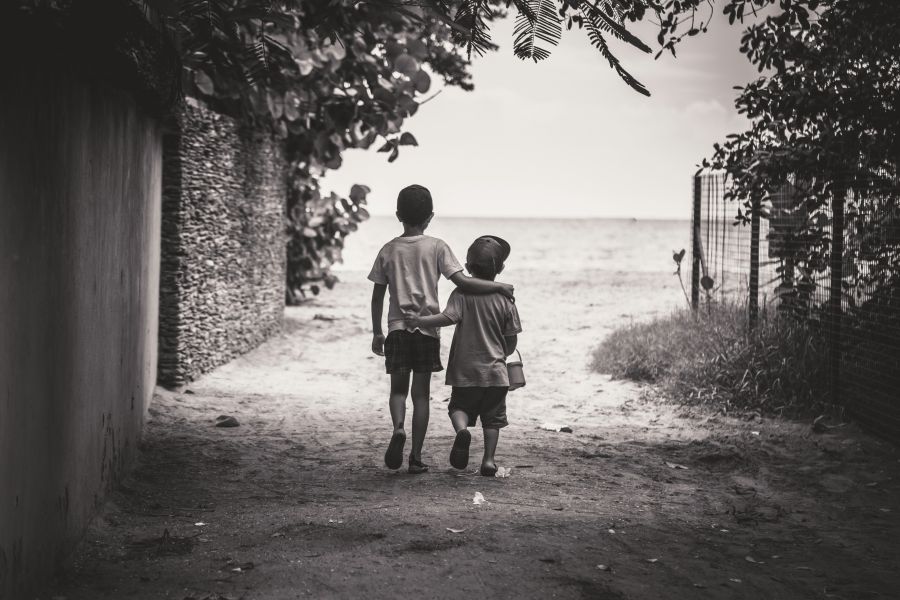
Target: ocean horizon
x,y
557,245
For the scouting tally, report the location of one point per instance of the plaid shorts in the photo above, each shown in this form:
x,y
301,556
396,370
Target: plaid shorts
x,y
414,351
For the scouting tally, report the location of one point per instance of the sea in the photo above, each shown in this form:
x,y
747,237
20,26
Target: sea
x,y
549,245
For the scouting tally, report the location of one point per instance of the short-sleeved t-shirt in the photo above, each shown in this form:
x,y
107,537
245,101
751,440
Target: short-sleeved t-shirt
x,y
411,267
477,354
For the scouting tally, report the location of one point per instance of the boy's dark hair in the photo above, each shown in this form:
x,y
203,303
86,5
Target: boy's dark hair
x,y
486,256
414,204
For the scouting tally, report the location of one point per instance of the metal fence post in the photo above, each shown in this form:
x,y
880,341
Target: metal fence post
x,y
695,245
753,308
834,292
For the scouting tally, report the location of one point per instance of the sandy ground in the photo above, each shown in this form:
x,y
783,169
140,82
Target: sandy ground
x,y
643,500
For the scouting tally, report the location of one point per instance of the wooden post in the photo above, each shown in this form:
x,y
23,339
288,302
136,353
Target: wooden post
x,y
753,308
835,309
697,249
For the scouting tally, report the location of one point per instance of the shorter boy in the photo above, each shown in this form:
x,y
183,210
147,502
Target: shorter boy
x,y
487,328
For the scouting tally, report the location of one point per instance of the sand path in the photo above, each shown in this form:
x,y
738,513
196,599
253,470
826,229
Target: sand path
x,y
295,502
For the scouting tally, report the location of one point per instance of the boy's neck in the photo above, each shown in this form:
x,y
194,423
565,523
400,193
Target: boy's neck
x,y
411,230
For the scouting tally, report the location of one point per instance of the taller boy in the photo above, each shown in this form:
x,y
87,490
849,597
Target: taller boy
x,y
411,265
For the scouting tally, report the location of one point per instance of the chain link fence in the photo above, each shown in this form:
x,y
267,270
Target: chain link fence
x,y
832,261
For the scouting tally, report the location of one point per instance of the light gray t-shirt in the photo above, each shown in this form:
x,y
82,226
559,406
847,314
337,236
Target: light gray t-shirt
x,y
411,267
477,354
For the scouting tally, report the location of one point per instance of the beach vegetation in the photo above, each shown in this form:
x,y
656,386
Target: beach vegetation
x,y
712,357
823,129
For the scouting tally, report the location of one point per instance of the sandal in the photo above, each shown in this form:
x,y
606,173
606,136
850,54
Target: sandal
x,y
459,454
393,457
488,471
416,467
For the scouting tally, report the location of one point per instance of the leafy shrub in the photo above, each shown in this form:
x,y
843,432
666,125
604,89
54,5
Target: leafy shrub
x,y
712,357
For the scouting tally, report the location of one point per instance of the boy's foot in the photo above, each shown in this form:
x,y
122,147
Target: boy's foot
x,y
416,467
488,469
393,457
459,454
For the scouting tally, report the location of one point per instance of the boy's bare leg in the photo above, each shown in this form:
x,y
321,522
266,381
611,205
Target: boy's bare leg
x,y
460,420
488,466
397,401
421,399
393,457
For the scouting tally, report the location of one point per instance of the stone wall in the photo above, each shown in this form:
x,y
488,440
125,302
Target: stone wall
x,y
80,187
223,246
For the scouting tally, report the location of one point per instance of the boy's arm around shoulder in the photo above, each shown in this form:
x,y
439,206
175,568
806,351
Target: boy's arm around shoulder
x,y
473,285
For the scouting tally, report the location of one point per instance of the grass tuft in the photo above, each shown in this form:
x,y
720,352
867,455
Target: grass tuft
x,y
713,358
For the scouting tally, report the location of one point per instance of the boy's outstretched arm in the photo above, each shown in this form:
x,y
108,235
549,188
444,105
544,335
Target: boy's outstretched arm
x,y
473,285
378,291
438,320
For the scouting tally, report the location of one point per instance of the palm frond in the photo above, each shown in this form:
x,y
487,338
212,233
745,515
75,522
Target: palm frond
x,y
541,23
212,13
595,31
524,8
472,16
256,64
608,17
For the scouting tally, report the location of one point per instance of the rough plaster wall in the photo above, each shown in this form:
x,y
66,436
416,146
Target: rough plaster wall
x,y
223,247
80,188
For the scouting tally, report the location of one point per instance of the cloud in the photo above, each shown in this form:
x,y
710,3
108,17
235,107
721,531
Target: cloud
x,y
705,108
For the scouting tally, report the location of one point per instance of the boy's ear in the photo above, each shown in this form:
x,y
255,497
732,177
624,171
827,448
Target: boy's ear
x,y
500,268
428,220
398,216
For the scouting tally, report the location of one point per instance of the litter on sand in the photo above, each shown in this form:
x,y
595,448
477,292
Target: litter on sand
x,y
672,465
750,559
478,499
556,427
503,472
451,530
226,421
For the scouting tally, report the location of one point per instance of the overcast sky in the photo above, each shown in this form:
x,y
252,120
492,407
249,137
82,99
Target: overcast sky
x,y
566,137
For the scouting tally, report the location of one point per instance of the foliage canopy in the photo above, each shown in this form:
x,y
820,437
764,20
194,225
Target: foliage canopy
x,y
329,76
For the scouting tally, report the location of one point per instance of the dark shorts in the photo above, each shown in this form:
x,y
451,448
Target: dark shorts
x,y
406,351
489,403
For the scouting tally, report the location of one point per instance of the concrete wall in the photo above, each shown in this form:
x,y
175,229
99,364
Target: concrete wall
x,y
223,245
80,188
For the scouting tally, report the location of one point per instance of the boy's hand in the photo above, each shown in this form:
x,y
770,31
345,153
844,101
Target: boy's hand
x,y
507,289
378,344
413,322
